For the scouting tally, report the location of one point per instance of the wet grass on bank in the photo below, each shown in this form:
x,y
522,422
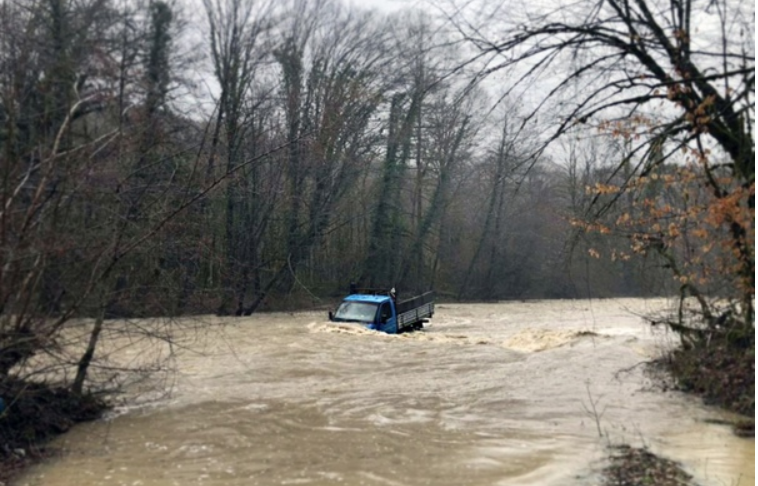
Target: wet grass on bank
x,y
632,466
719,371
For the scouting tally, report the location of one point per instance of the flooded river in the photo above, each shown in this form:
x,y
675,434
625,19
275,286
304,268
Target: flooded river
x,y
524,393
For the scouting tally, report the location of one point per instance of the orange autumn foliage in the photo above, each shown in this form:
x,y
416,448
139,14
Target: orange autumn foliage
x,y
708,235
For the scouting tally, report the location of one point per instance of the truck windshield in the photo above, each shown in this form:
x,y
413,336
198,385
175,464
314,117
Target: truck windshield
x,y
356,311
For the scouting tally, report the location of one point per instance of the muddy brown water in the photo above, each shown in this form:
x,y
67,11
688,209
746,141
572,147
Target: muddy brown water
x,y
527,393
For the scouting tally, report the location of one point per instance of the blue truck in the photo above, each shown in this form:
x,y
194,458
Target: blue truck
x,y
379,310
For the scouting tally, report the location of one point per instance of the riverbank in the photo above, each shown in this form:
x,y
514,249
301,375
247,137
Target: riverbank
x,y
721,374
32,415
631,466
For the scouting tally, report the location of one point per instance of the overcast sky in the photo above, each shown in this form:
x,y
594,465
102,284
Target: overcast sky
x,y
386,5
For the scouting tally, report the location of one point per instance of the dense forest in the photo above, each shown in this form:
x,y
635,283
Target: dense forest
x,y
325,146
236,156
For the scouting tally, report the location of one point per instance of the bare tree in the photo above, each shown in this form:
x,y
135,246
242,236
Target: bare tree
x,y
330,62
237,30
669,76
507,160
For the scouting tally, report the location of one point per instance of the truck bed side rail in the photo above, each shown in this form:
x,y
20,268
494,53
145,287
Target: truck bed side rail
x,y
408,318
415,302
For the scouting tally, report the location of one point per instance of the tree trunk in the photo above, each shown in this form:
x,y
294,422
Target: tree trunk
x,y
84,362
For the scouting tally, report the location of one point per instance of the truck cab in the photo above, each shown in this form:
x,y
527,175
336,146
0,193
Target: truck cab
x,y
375,312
